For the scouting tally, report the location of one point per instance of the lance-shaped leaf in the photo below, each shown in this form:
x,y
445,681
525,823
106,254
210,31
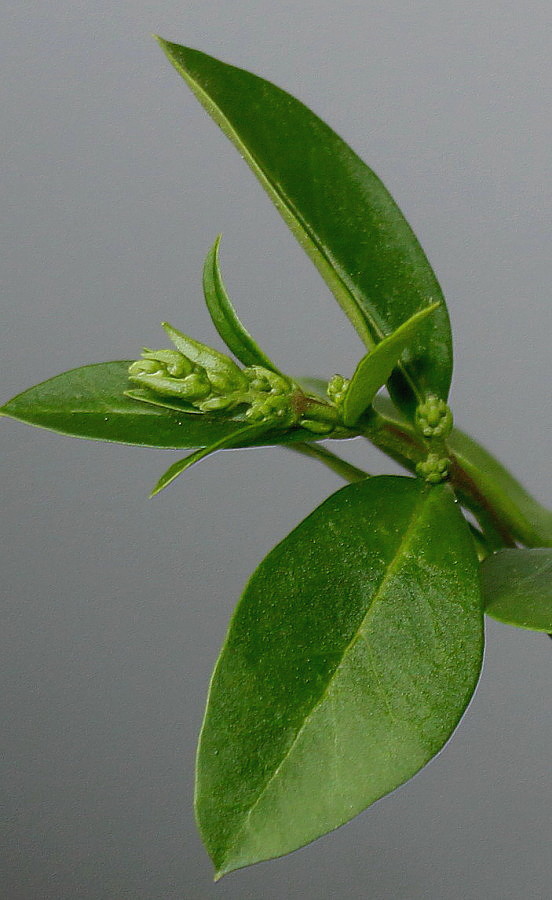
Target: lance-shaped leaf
x,y
337,208
349,661
92,402
376,367
517,588
224,316
241,437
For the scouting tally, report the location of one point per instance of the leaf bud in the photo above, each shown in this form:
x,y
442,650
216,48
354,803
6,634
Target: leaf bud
x,y
433,417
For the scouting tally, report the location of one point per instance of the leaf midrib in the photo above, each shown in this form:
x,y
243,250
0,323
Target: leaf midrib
x,y
358,635
288,211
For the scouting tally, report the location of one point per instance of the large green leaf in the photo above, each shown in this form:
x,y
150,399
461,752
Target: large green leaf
x,y
517,588
337,208
90,402
350,659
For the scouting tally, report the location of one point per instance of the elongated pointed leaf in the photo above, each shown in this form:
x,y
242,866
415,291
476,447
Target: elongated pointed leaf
x,y
90,402
517,588
350,659
224,316
230,441
376,367
337,208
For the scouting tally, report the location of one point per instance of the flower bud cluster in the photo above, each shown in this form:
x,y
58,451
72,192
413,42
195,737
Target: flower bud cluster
x,y
213,383
433,469
434,418
337,388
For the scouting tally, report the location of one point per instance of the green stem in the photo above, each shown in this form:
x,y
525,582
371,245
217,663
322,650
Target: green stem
x,y
340,466
481,547
397,440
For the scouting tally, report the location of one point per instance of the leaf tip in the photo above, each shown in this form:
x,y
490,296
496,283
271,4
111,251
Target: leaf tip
x,y
161,41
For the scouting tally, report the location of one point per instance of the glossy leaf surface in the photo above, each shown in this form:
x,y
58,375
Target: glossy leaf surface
x,y
517,588
90,402
376,367
224,316
337,208
350,659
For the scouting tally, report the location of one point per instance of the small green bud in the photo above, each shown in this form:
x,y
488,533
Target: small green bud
x,y
434,469
153,373
316,427
223,373
214,404
175,363
433,417
274,407
263,380
337,388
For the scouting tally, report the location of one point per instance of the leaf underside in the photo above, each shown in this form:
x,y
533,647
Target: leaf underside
x,y
337,208
353,653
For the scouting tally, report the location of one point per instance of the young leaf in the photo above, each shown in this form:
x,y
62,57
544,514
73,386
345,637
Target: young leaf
x,y
517,588
92,402
240,438
224,316
375,368
337,208
349,661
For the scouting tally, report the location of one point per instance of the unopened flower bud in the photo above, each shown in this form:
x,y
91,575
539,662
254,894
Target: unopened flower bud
x,y
434,469
154,373
175,363
316,427
337,388
271,407
263,380
433,417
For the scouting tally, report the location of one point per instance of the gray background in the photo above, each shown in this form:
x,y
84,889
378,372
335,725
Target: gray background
x,y
114,185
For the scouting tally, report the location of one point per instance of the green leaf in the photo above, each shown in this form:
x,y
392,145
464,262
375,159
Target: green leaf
x,y
376,367
517,588
224,316
91,402
349,661
241,437
520,514
337,208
